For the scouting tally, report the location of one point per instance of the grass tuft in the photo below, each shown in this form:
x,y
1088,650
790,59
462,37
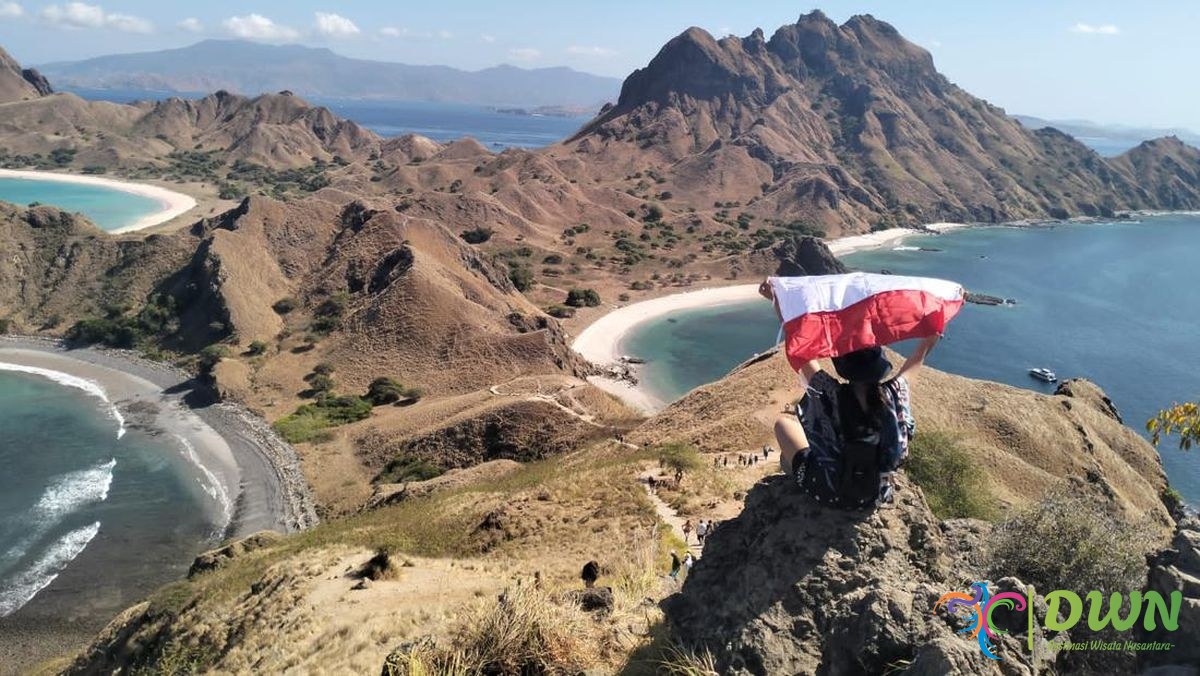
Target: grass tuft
x,y
954,485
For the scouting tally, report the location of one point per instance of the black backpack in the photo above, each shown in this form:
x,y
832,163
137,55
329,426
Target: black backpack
x,y
851,454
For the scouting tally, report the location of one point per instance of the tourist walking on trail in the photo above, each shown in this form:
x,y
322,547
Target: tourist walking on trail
x,y
688,562
701,531
687,531
847,439
589,574
676,564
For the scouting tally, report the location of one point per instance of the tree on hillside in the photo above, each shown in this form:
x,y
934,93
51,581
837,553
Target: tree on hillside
x,y
583,297
680,457
1181,419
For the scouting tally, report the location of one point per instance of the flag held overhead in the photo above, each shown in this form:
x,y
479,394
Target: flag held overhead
x,y
832,315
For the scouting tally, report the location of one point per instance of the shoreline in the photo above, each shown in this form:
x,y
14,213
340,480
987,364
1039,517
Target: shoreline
x,y
173,204
258,472
600,342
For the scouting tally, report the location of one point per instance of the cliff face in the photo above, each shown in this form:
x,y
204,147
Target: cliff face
x,y
17,84
852,126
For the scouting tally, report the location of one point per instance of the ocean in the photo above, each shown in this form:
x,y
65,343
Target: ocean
x,y
1117,303
441,122
104,511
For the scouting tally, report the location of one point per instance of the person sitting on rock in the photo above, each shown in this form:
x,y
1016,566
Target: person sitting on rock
x,y
590,573
870,417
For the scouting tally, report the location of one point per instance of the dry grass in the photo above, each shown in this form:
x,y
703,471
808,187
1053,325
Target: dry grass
x,y
680,660
524,632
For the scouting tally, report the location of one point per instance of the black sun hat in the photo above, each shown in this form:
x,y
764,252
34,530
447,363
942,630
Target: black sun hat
x,y
867,365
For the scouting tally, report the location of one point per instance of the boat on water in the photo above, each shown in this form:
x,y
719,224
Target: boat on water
x,y
1044,374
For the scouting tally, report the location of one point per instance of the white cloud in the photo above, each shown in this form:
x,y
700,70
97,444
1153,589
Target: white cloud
x,y
487,38
1087,28
335,25
445,35
78,15
258,27
11,10
524,54
582,50
935,43
394,32
191,25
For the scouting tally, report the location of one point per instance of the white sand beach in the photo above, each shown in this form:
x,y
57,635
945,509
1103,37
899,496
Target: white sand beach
x,y
174,204
600,342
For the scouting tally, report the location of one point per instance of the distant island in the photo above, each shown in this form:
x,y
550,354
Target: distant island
x,y
253,68
551,111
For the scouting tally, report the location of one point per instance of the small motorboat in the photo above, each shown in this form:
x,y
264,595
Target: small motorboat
x,y
626,359
1044,374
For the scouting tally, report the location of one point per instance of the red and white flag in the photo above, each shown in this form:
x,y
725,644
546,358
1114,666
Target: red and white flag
x,y
832,315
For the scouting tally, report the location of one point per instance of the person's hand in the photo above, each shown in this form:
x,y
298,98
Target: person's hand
x,y
766,291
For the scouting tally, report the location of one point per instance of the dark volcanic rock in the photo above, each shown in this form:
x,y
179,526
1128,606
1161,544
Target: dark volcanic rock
x,y
1177,569
792,587
802,256
39,81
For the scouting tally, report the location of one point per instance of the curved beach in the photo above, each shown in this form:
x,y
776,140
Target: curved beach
x,y
252,470
173,204
252,477
600,342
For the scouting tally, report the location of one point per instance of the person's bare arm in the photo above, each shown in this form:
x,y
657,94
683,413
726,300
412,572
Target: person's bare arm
x,y
917,358
766,291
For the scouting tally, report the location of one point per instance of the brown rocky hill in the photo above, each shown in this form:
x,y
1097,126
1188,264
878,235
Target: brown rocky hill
x,y
849,127
274,130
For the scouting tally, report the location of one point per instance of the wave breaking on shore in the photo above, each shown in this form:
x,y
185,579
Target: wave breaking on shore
x,y
91,387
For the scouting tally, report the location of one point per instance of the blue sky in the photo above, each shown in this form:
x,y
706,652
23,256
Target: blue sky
x,y
1114,62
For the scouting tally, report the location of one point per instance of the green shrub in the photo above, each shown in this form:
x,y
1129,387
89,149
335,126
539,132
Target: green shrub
x,y
113,332
560,311
477,236
4,325
408,468
583,297
320,384
553,259
521,277
385,391
324,369
284,305
1071,541
952,482
311,420
95,169
210,357
256,348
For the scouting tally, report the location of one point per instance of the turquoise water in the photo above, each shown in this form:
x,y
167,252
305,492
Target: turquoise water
x,y
1116,303
89,522
107,208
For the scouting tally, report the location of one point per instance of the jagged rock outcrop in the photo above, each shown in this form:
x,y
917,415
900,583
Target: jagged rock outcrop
x,y
790,586
1177,569
802,256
